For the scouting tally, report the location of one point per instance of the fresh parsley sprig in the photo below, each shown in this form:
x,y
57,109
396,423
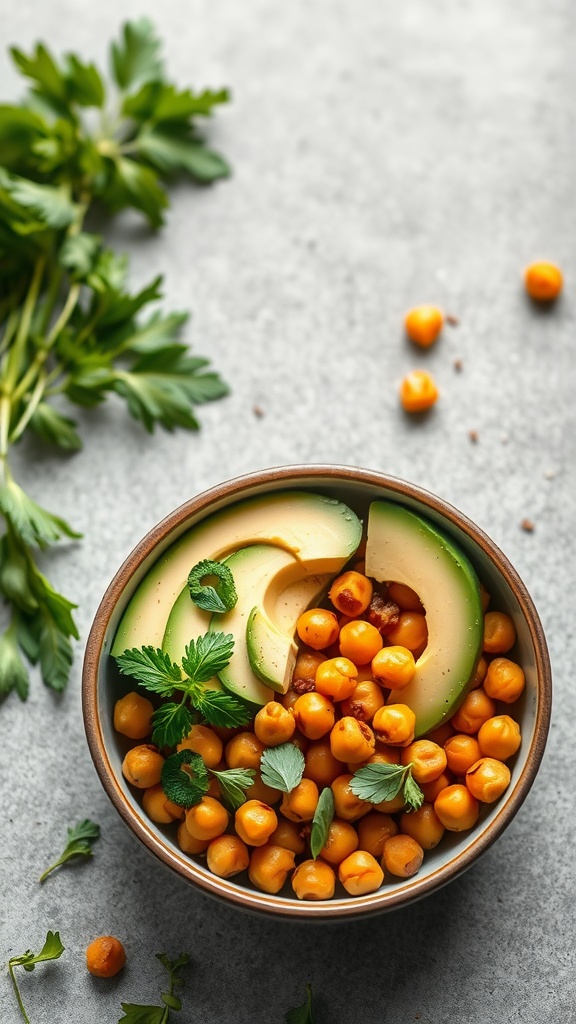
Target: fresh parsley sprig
x,y
377,782
137,1013
203,659
80,841
71,329
51,950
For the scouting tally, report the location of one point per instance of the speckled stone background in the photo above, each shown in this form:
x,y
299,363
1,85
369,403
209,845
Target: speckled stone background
x,y
385,154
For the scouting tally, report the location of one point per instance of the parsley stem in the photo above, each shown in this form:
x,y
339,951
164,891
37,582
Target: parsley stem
x,y
17,991
18,349
32,405
9,330
5,412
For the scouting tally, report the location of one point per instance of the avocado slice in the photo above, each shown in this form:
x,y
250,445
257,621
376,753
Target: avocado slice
x,y
317,531
402,547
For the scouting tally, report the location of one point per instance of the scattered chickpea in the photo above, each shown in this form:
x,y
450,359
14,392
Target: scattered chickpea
x,y
244,751
418,391
423,325
301,802
543,281
204,741
373,831
423,825
457,808
341,841
188,843
320,764
159,808
406,598
352,740
207,819
461,752
315,715
105,957
306,665
364,701
288,834
346,804
428,760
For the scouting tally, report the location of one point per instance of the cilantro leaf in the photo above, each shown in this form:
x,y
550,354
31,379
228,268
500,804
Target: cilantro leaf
x,y
170,152
51,203
221,599
80,840
136,1013
220,708
185,778
321,821
301,1014
153,669
44,72
136,57
51,950
413,795
233,784
207,656
138,186
282,767
171,722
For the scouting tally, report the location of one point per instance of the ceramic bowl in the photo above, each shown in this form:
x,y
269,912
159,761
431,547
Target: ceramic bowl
x,y
357,487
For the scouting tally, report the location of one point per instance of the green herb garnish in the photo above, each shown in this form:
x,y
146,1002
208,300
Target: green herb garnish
x,y
70,327
203,659
80,841
136,1013
301,1014
233,784
282,767
210,599
185,778
377,782
321,821
51,950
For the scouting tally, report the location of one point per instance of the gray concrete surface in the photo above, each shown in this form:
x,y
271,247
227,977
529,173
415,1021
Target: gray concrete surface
x,y
385,154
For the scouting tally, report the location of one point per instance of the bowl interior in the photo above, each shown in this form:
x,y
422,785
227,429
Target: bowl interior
x,y
102,686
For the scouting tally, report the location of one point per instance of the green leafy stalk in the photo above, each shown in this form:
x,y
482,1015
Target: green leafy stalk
x,y
301,1014
71,330
51,950
137,1013
379,781
80,841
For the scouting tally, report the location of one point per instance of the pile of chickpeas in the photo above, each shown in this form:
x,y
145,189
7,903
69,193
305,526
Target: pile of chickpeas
x,y
344,710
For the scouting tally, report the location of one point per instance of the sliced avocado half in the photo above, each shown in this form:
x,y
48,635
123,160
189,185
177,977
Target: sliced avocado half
x,y
402,547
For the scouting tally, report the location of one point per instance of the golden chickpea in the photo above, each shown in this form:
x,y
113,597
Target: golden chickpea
x,y
314,714
142,766
347,805
441,734
318,628
457,809
499,633
207,819
488,779
423,825
227,855
394,724
423,325
244,751
428,760
274,724
476,708
320,764
105,956
385,754
406,598
504,681
394,666
314,880
341,840
402,856
301,802
373,831
306,665
289,698
159,808
364,701
418,391
188,843
288,834
360,873
543,281
480,673
204,741
259,790
351,593
360,641
499,737
255,822
397,803
270,866
336,678
431,789
351,740
410,631
132,716
461,751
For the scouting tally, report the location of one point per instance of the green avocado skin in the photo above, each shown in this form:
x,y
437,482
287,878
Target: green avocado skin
x,y
404,547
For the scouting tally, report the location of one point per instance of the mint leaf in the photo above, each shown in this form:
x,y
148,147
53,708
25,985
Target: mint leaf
x,y
282,767
153,669
185,778
210,599
321,821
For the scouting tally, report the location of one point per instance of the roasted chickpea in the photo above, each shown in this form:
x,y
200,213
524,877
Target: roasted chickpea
x,y
423,325
207,819
431,789
347,805
543,281
321,766
318,628
423,825
480,673
402,856
418,391
270,866
499,633
456,807
255,822
204,741
461,751
504,681
406,598
105,957
227,855
301,802
314,880
142,766
394,666
259,790
475,709
488,779
499,737
441,733
394,724
341,840
288,834
314,714
360,641
385,754
188,843
428,760
244,751
274,724
132,716
364,701
336,678
373,831
397,803
289,698
410,631
352,740
360,873
306,664
351,593
159,808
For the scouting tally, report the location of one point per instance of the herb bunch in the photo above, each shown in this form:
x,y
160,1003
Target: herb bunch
x,y
71,330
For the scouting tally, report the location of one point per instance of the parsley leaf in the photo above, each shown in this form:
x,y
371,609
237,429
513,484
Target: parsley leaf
x,y
377,782
220,708
153,669
282,767
136,1013
51,950
233,784
207,656
210,599
80,841
136,57
321,821
170,723
185,778
302,1014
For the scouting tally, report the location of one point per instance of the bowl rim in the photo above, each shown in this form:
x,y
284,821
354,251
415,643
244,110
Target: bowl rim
x,y
373,903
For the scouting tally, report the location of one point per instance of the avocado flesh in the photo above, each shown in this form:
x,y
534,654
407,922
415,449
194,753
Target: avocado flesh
x,y
317,531
402,547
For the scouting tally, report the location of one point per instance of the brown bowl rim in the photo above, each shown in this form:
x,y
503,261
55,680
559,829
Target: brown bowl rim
x,y
262,902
